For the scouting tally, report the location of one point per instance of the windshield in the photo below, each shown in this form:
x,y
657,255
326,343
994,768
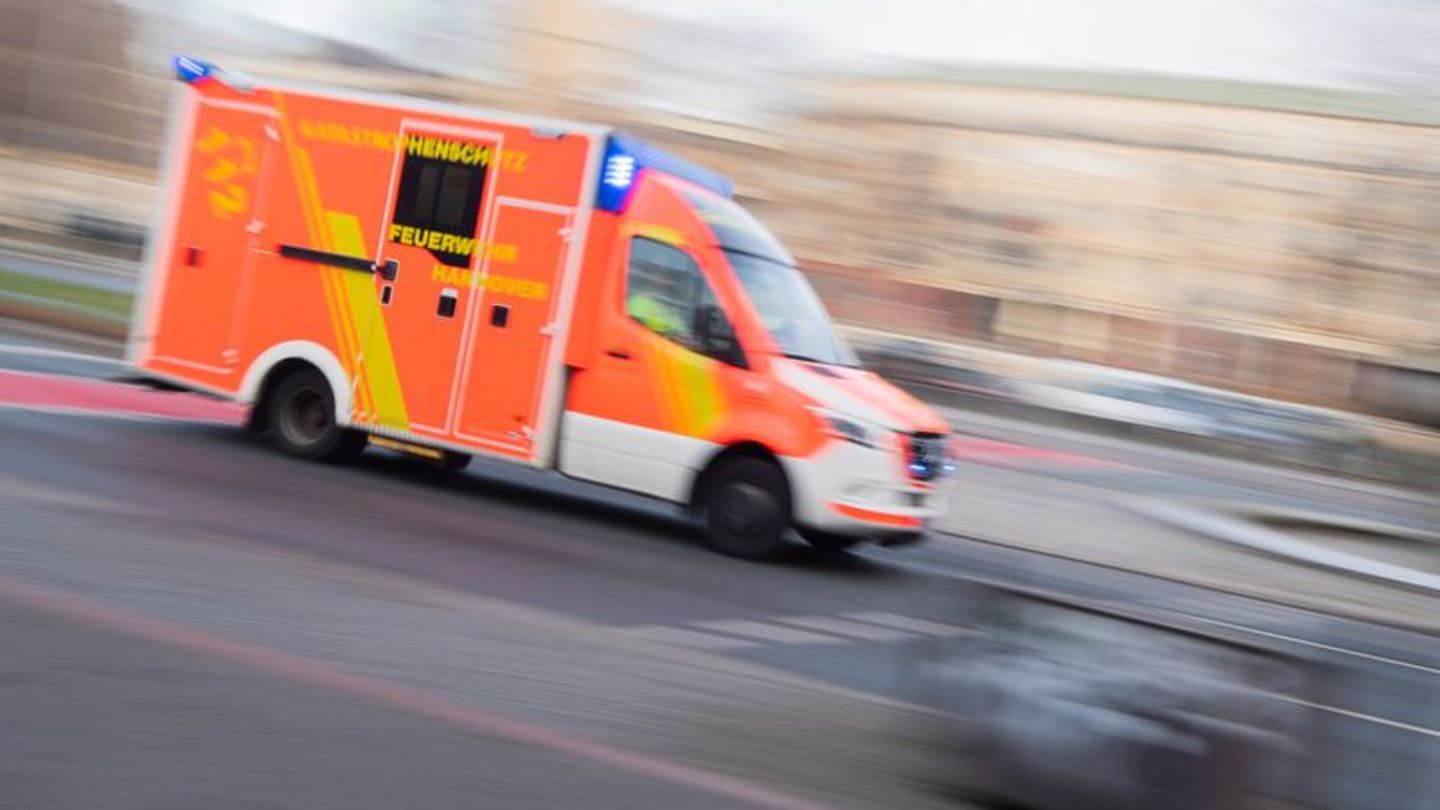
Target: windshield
x,y
788,306
790,310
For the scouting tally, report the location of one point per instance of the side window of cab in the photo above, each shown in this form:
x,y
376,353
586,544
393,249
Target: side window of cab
x,y
666,293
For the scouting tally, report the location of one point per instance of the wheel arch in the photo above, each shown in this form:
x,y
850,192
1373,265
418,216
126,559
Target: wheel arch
x,y
279,360
744,449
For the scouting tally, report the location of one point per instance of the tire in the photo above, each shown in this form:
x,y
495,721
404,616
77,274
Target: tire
x,y
828,541
451,461
300,414
745,509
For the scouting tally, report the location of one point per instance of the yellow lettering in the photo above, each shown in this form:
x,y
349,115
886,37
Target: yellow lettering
x,y
437,273
394,232
515,162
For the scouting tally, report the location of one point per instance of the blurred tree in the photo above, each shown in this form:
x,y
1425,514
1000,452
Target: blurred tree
x,y
69,79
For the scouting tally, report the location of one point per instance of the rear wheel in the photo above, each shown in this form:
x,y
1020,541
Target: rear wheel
x,y
301,418
828,541
745,508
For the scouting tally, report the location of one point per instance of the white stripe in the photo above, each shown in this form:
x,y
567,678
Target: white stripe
x,y
178,361
686,638
546,442
239,106
1316,644
911,623
767,632
844,627
1429,732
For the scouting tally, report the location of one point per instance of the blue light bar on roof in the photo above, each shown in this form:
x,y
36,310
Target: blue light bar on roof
x,y
626,155
191,70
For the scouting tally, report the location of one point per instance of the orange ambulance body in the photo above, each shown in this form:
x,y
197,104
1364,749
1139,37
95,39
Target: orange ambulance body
x,y
459,281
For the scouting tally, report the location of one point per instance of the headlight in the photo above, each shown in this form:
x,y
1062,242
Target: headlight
x,y
849,428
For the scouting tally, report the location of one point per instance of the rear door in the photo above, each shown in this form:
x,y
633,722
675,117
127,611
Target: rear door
x,y
219,216
434,238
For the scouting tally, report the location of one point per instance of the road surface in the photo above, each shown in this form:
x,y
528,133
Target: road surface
x,y
192,619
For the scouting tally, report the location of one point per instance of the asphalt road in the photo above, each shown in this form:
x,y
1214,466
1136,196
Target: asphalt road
x,y
569,609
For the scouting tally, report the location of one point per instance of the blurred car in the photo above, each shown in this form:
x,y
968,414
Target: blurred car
x,y
921,362
1057,705
1161,402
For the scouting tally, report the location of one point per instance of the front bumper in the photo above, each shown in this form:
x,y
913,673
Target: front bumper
x,y
862,491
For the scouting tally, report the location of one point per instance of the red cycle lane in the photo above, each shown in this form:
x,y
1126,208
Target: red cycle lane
x,y
81,395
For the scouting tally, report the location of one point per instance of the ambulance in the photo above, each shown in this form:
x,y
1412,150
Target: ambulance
x,y
452,282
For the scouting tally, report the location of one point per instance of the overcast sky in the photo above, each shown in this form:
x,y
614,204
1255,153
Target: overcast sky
x,y
1375,44
1321,42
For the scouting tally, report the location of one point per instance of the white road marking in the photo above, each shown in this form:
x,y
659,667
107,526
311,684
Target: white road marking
x,y
845,627
1316,644
694,639
1429,732
767,632
910,623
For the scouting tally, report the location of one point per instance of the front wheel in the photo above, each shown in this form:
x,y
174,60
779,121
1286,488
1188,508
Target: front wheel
x,y
302,422
745,509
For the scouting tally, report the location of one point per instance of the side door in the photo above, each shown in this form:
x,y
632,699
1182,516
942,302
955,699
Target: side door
x,y
217,234
656,397
508,355
432,243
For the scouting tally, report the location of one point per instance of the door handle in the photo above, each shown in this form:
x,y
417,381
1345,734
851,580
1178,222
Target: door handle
x,y
618,354
358,263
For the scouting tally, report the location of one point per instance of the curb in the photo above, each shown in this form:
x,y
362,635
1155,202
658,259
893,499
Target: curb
x,y
1227,522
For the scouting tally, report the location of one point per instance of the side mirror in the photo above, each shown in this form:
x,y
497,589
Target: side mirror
x,y
717,337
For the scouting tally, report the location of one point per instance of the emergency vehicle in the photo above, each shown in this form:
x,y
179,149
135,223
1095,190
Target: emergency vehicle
x,y
451,281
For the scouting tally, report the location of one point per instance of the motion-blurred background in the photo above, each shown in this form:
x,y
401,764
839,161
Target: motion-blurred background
x,y
1080,229
1244,195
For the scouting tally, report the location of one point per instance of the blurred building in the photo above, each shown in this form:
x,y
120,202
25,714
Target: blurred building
x,y
1268,239
1264,238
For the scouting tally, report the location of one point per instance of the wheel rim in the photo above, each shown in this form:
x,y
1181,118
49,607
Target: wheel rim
x,y
305,418
742,511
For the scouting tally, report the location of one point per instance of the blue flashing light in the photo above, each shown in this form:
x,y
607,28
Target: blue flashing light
x,y
625,156
191,70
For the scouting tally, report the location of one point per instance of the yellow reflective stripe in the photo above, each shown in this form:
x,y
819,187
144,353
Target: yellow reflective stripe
x,y
686,390
344,235
659,233
331,284
381,379
657,359
702,395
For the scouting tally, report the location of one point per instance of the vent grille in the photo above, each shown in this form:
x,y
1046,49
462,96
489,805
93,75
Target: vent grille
x,y
926,456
